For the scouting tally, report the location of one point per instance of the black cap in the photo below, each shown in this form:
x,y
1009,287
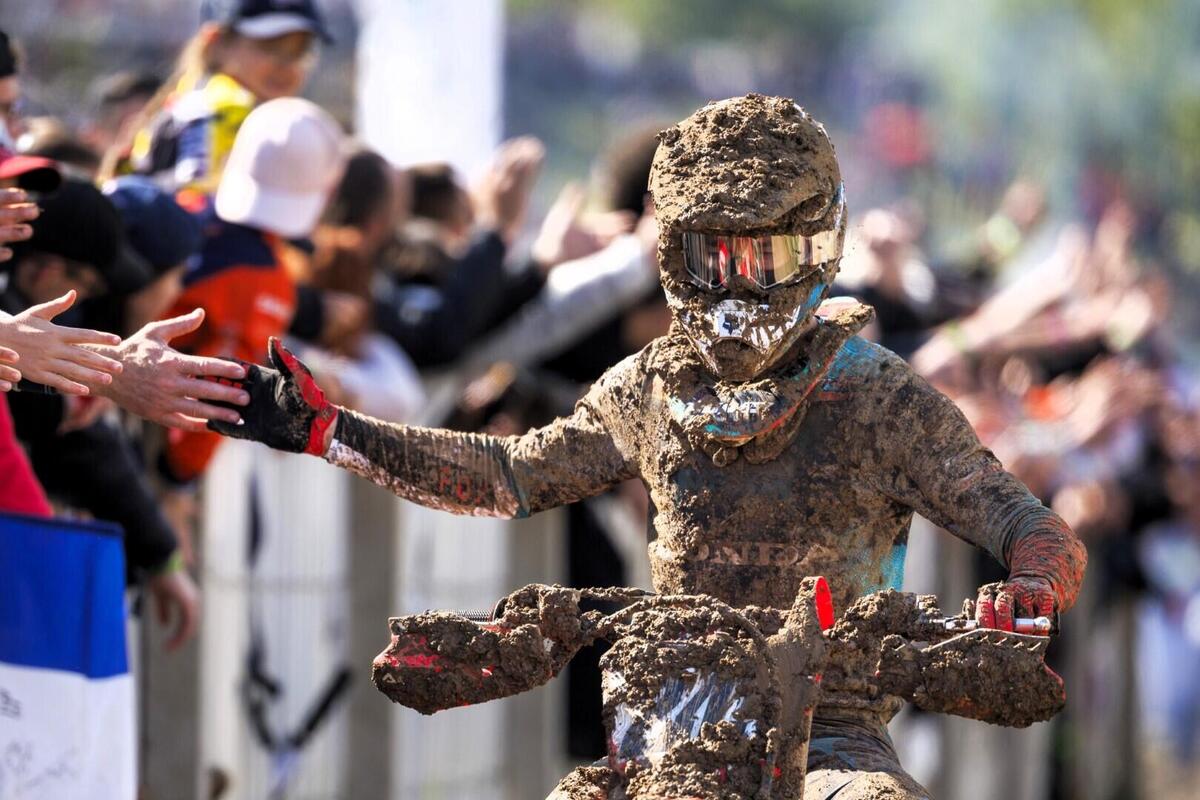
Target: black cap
x,y
262,19
8,57
156,227
79,223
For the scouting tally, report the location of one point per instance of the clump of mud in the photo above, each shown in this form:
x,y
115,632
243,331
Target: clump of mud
x,y
674,640
674,360
586,783
710,702
854,646
886,647
987,675
747,165
439,660
720,765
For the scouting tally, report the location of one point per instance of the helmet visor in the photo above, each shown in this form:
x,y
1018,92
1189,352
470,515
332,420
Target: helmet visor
x,y
712,260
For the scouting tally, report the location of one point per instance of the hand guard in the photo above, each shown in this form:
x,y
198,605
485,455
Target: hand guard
x,y
439,660
287,410
943,664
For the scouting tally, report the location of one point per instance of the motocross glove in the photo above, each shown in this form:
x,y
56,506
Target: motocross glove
x,y
1045,572
287,409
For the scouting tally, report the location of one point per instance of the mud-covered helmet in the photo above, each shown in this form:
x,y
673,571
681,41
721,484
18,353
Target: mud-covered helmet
x,y
752,218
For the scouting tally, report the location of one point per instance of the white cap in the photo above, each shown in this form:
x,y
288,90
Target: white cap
x,y
286,159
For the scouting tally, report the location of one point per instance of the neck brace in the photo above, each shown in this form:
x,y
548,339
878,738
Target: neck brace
x,y
757,418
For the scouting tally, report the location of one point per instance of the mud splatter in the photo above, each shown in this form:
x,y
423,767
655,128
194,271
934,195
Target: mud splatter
x,y
586,783
707,701
885,649
746,165
440,660
718,765
701,405
864,785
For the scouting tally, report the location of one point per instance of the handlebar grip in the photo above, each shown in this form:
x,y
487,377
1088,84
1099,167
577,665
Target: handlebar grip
x,y
1038,626
1035,626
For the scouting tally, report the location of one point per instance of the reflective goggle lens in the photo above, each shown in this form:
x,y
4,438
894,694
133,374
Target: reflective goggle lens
x,y
712,260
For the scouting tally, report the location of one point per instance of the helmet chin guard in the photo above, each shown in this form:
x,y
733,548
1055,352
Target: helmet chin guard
x,y
763,328
750,323
755,418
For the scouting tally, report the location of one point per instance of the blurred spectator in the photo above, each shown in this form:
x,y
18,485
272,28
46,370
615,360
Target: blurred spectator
x,y
602,297
117,102
284,164
1022,210
141,373
30,174
445,283
359,222
48,137
372,374
10,93
20,175
1169,554
77,245
81,459
442,203
883,269
20,491
165,236
246,52
576,321
1090,296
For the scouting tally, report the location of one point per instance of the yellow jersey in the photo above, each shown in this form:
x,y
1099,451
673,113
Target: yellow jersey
x,y
186,146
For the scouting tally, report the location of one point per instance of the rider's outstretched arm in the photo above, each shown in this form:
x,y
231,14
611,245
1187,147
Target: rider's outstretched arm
x,y
940,468
465,473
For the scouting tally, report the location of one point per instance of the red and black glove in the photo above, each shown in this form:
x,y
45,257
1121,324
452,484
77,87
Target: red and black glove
x,y
287,410
1045,573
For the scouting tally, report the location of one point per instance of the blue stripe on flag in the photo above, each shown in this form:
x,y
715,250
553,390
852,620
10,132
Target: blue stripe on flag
x,y
62,595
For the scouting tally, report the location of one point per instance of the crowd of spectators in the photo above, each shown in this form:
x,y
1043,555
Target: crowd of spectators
x,y
1058,342
189,219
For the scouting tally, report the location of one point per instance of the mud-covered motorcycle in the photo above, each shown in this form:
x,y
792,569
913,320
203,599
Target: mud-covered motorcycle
x,y
703,700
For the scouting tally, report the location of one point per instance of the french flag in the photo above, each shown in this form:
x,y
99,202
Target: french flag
x,y
66,696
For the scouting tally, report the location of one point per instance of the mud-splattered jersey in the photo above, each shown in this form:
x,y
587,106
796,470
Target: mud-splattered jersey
x,y
878,443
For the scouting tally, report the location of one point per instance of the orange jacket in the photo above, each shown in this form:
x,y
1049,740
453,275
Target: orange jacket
x,y
240,279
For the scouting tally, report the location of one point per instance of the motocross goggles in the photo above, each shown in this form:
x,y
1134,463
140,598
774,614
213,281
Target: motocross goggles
x,y
712,260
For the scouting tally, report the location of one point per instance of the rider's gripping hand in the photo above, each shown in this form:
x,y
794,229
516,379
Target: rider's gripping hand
x,y
287,410
1045,572
999,603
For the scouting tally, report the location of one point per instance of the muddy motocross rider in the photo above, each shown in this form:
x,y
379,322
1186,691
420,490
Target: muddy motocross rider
x,y
774,442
